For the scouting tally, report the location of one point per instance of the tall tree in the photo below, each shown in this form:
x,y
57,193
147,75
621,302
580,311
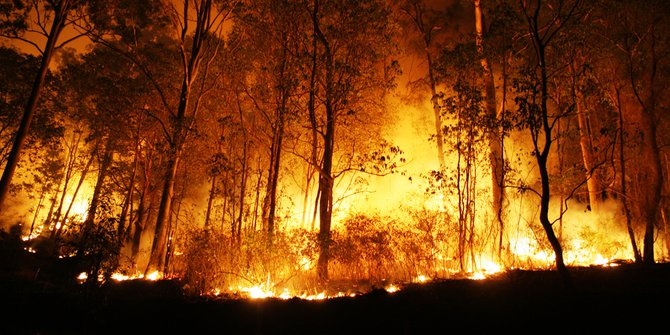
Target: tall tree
x,y
430,27
204,42
494,137
52,17
636,35
545,20
276,26
349,79
197,28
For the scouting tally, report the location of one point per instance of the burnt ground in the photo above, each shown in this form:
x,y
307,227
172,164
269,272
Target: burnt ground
x,y
624,298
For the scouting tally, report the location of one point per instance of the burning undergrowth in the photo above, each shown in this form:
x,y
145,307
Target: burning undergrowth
x,y
370,251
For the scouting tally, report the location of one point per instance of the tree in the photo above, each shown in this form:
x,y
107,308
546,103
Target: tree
x,y
430,28
205,42
277,26
196,46
494,134
533,104
633,32
14,25
349,79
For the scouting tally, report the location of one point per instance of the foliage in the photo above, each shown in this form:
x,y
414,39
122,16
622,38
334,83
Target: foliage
x,y
364,247
97,251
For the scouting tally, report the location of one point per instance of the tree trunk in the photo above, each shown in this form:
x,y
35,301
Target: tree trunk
x,y
128,201
59,19
326,199
417,13
542,157
84,172
311,108
624,193
69,168
158,251
95,199
325,172
653,179
494,135
181,122
37,211
146,201
544,129
270,202
243,181
593,184
210,200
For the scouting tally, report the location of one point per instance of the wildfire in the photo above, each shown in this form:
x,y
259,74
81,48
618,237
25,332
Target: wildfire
x,y
118,276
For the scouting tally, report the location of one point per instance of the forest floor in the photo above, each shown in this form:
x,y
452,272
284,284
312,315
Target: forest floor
x,y
626,297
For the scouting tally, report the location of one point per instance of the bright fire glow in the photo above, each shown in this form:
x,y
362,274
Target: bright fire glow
x,y
154,276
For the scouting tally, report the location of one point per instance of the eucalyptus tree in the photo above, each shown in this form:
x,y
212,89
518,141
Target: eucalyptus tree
x,y
428,27
16,72
351,73
545,20
636,43
111,94
193,33
465,131
274,88
494,114
46,19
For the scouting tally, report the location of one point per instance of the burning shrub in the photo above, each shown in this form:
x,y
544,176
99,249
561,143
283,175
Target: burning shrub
x,y
213,261
96,250
422,244
364,249
203,256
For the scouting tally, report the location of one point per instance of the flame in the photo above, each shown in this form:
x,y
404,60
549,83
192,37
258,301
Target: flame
x,y
526,248
422,279
392,288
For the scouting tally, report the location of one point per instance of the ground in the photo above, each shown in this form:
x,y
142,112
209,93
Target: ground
x,y
601,299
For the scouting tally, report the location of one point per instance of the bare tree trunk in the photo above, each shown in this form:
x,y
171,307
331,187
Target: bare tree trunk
x,y
158,250
258,195
270,202
146,199
494,135
624,192
128,201
95,199
210,200
243,181
325,171
593,183
69,168
311,107
37,210
653,179
416,11
84,172
173,223
207,24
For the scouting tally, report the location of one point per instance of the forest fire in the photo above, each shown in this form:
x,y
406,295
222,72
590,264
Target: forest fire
x,y
323,149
